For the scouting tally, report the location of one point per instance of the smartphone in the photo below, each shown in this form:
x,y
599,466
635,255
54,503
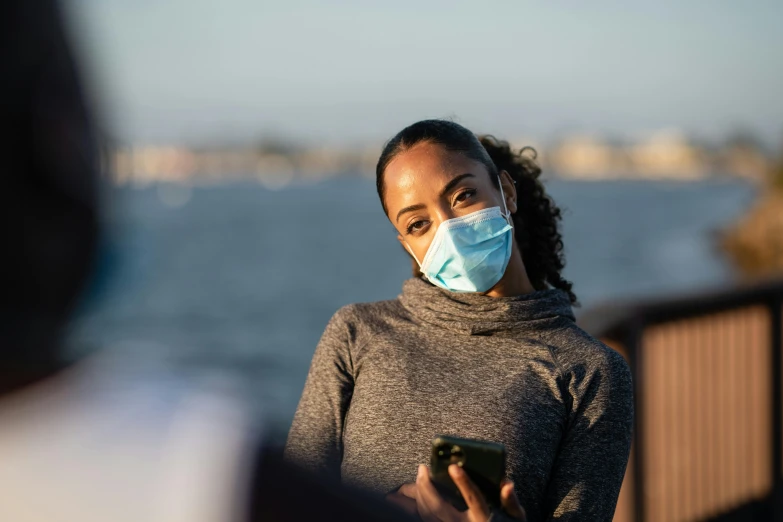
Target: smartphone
x,y
484,462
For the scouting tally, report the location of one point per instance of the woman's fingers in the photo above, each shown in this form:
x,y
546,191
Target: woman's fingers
x,y
510,502
404,502
473,497
426,495
408,489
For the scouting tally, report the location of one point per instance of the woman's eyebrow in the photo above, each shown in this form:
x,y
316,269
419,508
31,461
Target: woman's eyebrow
x,y
420,206
454,182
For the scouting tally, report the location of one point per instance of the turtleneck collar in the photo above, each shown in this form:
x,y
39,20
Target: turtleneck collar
x,y
476,314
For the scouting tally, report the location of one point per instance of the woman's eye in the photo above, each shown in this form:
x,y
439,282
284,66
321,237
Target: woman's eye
x,y
416,226
464,195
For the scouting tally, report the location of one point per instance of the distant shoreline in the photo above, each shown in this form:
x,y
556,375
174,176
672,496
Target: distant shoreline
x,y
228,182
667,156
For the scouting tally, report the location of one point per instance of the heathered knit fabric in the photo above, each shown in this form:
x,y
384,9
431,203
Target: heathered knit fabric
x,y
387,377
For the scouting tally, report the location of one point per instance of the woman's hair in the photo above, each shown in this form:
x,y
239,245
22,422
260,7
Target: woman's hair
x,y
537,220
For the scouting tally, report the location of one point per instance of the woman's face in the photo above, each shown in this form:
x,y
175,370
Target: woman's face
x,y
427,185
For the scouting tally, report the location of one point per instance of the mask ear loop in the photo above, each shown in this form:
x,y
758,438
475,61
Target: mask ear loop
x,y
412,254
506,213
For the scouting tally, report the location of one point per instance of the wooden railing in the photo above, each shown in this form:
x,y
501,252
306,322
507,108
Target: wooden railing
x,y
708,434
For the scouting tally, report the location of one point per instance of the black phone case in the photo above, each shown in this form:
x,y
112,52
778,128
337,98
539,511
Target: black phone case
x,y
484,462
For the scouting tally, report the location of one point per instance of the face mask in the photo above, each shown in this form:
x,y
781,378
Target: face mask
x,y
470,253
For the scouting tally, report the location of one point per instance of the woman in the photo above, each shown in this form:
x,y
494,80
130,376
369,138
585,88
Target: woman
x,y
480,344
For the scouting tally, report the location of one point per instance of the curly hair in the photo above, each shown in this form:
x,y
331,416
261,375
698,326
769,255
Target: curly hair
x,y
537,220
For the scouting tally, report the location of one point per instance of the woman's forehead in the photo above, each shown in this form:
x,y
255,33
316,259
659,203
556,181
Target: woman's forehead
x,y
428,166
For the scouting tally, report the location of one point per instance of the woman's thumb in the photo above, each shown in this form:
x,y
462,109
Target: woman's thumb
x,y
510,502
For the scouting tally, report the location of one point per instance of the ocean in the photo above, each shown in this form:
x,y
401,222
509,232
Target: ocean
x,y
240,280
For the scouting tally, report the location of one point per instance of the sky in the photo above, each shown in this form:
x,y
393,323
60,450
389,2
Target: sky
x,y
333,72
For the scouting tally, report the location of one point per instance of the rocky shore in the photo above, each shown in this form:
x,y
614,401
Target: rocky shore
x,y
755,243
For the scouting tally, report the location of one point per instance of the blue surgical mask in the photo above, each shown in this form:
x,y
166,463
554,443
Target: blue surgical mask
x,y
469,253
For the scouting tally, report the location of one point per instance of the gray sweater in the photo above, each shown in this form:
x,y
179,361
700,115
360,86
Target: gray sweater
x,y
387,377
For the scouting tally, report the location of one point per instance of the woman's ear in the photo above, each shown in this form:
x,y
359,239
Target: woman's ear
x,y
509,191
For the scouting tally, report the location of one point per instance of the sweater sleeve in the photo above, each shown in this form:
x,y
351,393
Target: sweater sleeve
x,y
590,465
315,438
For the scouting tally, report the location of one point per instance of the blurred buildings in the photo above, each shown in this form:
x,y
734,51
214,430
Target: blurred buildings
x,y
662,155
668,154
272,166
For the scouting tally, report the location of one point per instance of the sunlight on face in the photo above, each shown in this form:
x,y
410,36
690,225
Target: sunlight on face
x,y
427,185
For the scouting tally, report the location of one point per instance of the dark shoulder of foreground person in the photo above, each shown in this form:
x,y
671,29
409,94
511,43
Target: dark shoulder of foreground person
x,y
282,492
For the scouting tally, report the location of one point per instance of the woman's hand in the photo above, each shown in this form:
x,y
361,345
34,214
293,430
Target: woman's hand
x,y
434,508
405,499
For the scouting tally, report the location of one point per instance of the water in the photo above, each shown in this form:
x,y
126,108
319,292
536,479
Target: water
x,y
242,279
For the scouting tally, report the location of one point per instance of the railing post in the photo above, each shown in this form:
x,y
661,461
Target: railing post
x,y
632,342
776,345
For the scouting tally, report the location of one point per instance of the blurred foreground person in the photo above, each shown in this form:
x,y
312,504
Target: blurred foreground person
x,y
105,438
